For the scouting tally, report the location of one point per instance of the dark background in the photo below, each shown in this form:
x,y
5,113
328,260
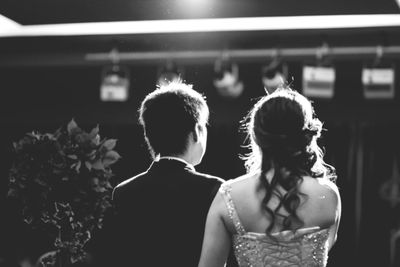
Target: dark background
x,y
45,82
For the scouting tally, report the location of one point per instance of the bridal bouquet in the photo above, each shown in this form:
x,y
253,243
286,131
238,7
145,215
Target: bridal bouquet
x,y
61,181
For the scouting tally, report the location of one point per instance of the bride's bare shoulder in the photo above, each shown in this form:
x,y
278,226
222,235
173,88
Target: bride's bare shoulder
x,y
242,181
323,195
319,186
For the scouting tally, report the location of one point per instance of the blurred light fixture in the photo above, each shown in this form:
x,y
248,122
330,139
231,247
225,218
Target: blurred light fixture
x,y
378,78
168,73
226,78
115,81
378,82
274,75
319,79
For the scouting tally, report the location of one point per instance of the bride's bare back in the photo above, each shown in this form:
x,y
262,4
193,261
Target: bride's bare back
x,y
319,206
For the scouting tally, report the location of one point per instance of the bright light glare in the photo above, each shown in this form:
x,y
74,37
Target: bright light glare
x,y
7,26
194,8
208,25
197,2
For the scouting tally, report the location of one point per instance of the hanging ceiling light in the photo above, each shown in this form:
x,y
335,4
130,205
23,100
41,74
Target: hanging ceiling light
x,y
319,78
378,78
115,80
274,75
226,78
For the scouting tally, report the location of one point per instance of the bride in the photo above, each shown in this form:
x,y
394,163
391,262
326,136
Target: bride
x,y
286,210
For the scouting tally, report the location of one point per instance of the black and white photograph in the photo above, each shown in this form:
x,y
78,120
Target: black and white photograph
x,y
199,133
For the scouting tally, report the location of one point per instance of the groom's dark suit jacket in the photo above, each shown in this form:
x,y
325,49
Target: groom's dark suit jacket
x,y
161,215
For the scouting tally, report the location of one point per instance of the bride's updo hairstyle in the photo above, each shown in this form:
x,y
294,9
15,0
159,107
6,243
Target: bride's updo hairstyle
x,y
283,132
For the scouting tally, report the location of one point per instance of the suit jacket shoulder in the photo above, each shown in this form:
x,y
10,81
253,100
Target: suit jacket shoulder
x,y
125,185
213,181
212,178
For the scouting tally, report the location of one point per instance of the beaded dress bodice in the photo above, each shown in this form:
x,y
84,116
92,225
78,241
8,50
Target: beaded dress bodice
x,y
305,247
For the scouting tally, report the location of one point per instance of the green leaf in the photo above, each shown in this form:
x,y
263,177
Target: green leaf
x,y
96,140
71,126
33,135
108,185
76,166
94,132
110,144
71,156
88,165
98,165
82,137
28,219
99,189
94,181
58,132
40,182
110,158
12,193
49,136
91,155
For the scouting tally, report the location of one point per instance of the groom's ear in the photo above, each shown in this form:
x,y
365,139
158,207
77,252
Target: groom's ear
x,y
196,132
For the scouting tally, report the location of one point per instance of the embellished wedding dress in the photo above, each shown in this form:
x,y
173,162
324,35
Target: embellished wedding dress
x,y
304,247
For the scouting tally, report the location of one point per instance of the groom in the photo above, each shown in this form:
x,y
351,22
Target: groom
x,y
162,212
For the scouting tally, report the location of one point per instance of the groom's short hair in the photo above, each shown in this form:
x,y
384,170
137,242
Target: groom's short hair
x,y
169,114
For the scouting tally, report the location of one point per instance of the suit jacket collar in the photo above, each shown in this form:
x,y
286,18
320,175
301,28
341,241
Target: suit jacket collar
x,y
166,164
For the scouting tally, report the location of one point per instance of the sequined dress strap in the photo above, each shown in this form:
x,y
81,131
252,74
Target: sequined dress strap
x,y
225,190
